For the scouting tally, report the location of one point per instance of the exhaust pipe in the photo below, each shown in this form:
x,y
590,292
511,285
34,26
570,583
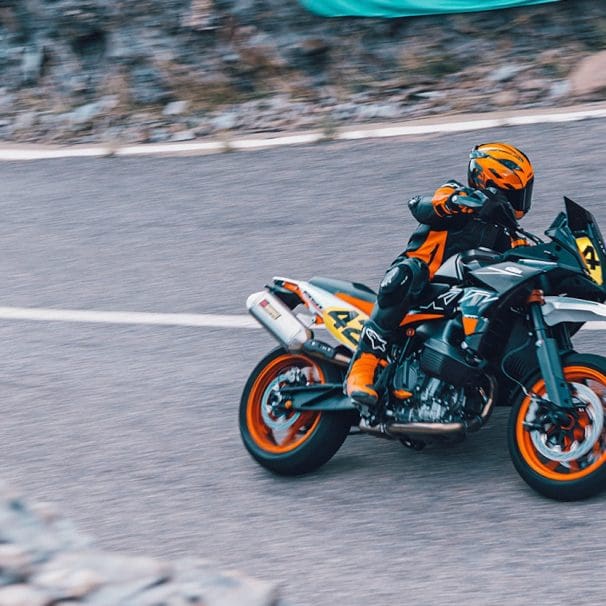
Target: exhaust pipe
x,y
446,430
425,430
452,431
279,321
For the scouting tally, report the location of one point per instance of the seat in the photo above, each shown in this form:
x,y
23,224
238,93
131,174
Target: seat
x,y
450,272
355,293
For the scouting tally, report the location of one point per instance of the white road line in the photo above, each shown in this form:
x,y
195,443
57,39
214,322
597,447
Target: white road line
x,y
302,139
425,126
475,124
421,129
128,317
9,153
38,314
169,148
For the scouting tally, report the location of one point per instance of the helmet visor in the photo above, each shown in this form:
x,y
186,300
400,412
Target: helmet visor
x,y
521,199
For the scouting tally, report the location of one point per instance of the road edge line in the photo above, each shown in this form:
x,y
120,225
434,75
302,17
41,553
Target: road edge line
x,y
40,314
421,126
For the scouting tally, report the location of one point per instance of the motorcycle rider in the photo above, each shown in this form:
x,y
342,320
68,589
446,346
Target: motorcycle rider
x,y
500,179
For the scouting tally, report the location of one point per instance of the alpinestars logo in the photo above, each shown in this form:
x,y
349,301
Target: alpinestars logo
x,y
442,302
474,296
377,342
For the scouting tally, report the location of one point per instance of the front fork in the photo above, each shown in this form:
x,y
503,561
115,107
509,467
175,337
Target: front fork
x,y
548,355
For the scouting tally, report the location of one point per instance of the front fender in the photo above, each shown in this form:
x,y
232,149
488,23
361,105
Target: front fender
x,y
566,309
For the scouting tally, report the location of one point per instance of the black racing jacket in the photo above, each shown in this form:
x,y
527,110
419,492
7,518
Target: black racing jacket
x,y
446,230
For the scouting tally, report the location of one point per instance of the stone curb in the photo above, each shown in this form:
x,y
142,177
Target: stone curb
x,y
45,561
230,142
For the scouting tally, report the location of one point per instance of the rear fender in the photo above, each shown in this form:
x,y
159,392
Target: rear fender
x,y
315,298
343,320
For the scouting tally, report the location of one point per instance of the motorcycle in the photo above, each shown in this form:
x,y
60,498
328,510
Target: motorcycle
x,y
491,329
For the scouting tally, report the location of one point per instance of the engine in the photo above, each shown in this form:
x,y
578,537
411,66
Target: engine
x,y
433,400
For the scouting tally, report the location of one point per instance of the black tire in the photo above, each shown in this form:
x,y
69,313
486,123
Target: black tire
x,y
321,441
580,477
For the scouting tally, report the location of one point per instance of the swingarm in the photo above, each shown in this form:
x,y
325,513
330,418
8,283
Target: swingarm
x,y
324,397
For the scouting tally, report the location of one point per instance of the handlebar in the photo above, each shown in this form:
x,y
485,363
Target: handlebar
x,y
529,235
476,201
470,201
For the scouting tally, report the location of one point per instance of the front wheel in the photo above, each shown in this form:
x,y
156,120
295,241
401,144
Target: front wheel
x,y
285,441
564,459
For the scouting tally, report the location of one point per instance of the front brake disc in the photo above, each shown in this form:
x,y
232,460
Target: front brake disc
x,y
578,449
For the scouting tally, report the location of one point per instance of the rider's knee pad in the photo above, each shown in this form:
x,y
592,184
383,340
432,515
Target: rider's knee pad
x,y
402,283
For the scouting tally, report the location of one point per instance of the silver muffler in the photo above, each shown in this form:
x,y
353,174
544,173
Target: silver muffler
x,y
279,320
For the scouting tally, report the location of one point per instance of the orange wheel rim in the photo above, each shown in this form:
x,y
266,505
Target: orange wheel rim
x,y
263,424
576,430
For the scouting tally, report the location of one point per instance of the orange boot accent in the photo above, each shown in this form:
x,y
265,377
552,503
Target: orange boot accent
x,y
360,379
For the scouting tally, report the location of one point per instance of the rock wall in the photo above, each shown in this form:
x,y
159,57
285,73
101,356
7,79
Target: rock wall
x,y
45,561
152,70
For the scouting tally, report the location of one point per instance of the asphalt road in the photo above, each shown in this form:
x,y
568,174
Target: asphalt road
x,y
132,430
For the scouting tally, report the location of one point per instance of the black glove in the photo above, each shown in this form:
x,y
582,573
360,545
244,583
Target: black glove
x,y
466,200
498,210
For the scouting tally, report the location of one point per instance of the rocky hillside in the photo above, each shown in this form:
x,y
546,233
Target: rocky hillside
x,y
46,561
156,70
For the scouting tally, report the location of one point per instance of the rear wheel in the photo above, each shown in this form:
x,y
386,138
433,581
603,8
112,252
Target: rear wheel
x,y
285,441
563,458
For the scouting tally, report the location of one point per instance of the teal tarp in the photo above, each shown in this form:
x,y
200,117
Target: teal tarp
x,y
407,8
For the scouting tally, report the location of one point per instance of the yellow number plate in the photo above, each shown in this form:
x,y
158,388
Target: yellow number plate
x,y
591,259
344,324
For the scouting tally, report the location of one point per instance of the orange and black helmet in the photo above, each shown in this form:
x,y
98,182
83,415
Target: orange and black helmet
x,y
505,167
